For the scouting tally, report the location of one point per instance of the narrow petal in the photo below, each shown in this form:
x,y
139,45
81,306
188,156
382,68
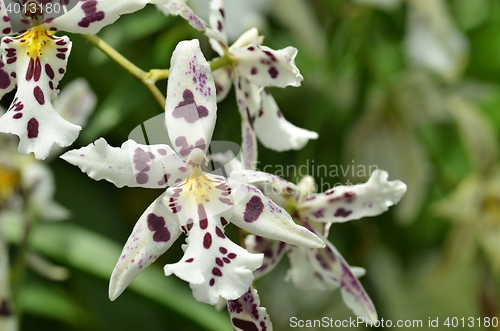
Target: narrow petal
x,y
246,313
152,236
345,203
275,132
249,139
191,108
218,23
250,93
76,102
133,165
89,17
256,214
325,269
273,252
246,38
266,67
223,78
39,62
212,264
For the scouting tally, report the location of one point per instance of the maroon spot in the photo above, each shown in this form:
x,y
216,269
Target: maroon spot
x,y
244,325
188,109
51,85
13,74
271,55
33,128
37,72
11,60
273,72
217,272
91,14
4,80
189,224
62,49
219,232
223,221
253,71
219,25
6,18
31,67
207,240
189,260
18,115
164,179
251,48
221,11
61,56
253,209
212,282
226,260
11,52
6,30
279,113
319,213
219,262
222,250
157,224
38,94
59,42
49,71
203,217
61,71
341,212
231,255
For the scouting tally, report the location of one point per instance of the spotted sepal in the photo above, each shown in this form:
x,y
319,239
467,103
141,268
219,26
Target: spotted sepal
x,y
38,60
275,132
256,214
273,252
325,269
133,165
191,108
90,16
247,314
266,67
152,236
345,203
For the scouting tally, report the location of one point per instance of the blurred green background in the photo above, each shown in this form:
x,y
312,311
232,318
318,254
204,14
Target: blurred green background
x,y
372,101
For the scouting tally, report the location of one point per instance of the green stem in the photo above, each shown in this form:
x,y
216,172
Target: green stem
x,y
131,68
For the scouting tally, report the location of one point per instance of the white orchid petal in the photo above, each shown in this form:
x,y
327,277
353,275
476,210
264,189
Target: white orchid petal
x,y
153,235
191,108
273,251
266,67
218,23
213,265
246,313
256,214
89,17
133,165
39,60
76,102
223,78
345,203
275,132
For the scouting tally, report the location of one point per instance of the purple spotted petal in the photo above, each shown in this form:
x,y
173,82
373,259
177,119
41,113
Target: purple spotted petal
x,y
246,313
344,203
191,108
273,252
89,17
326,269
5,26
256,214
218,23
212,264
153,234
266,67
249,139
133,165
38,70
275,132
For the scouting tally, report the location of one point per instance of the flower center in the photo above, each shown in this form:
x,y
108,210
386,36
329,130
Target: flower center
x,y
8,181
34,40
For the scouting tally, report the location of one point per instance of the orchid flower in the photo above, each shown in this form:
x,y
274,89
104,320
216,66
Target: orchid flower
x,y
253,67
196,203
324,268
35,61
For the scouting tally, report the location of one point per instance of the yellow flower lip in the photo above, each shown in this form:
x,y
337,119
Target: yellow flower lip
x,y
8,181
35,40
